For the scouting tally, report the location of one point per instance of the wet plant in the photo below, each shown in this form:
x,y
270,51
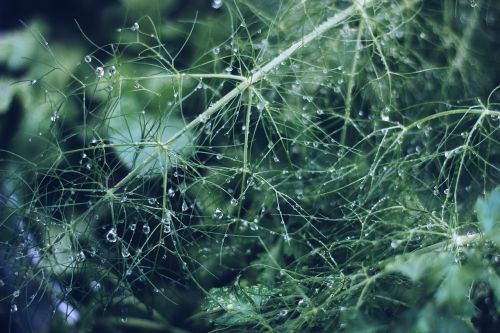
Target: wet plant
x,y
310,166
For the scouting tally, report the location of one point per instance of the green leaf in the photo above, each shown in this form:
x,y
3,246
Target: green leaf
x,y
417,266
6,95
128,129
240,306
453,291
488,213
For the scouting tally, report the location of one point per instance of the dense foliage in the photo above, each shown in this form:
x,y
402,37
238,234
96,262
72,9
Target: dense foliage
x,y
288,166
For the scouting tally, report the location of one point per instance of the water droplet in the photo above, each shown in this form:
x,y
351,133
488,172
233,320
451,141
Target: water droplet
x,y
234,202
54,117
112,71
218,214
395,243
216,50
282,313
125,252
216,4
33,82
13,308
229,69
16,293
146,229
203,118
99,71
95,285
111,235
167,223
184,206
135,26
435,191
171,192
87,59
80,256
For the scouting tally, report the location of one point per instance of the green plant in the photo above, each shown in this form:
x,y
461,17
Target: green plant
x,y
314,167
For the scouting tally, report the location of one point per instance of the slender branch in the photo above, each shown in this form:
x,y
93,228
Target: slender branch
x,y
258,75
188,75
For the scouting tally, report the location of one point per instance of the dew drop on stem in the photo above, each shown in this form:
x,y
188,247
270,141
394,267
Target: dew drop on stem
x,y
99,71
80,256
282,313
95,285
203,118
218,213
216,4
111,235
125,252
167,227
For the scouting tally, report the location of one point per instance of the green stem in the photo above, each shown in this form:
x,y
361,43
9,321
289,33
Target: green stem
x,y
258,75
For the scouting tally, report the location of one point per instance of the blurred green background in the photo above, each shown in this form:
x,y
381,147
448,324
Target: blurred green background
x,y
72,30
